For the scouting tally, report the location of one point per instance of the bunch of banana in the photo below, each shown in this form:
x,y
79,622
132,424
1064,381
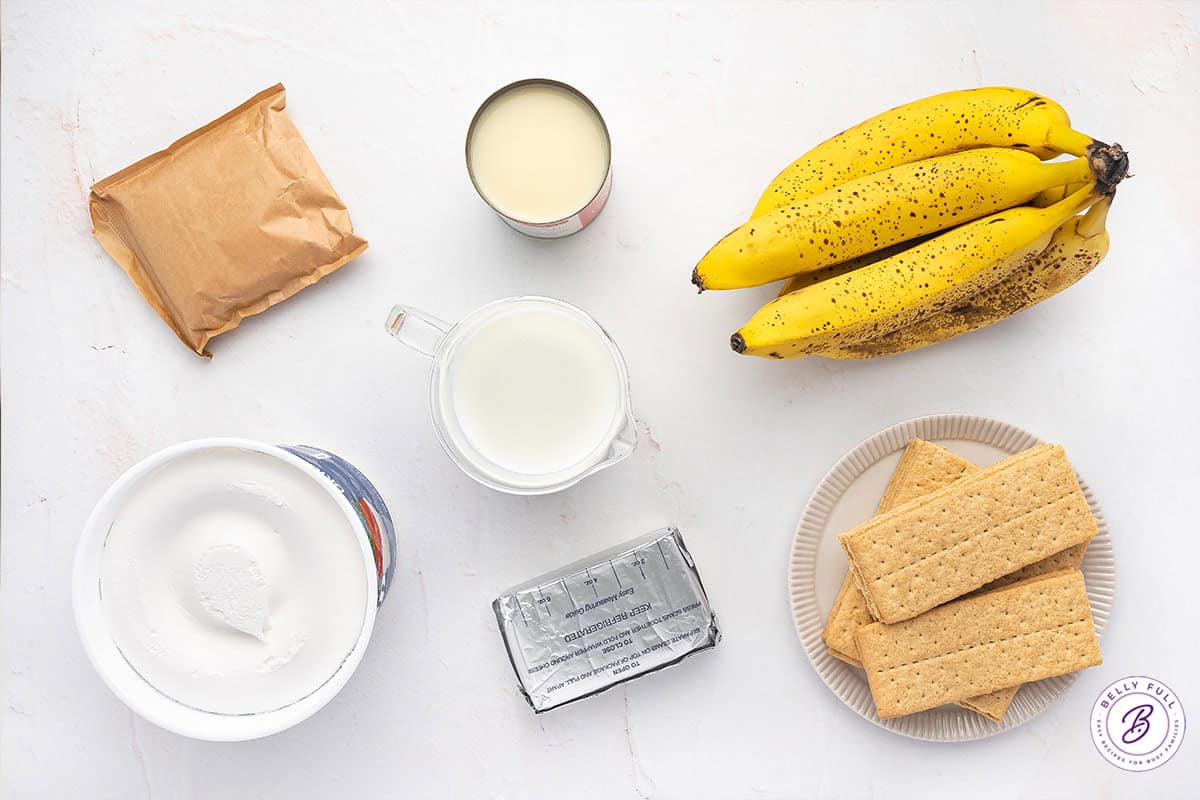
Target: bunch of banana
x,y
930,220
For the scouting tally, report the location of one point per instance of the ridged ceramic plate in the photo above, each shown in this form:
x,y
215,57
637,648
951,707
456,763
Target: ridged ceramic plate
x,y
848,495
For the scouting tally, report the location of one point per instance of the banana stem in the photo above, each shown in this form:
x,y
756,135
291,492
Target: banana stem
x,y
1094,220
1110,165
1105,165
1049,197
1067,140
1073,203
1077,171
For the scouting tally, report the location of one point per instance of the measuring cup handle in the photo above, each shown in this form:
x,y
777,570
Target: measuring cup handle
x,y
416,329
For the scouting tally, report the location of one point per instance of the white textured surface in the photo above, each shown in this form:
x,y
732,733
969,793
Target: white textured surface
x,y
705,105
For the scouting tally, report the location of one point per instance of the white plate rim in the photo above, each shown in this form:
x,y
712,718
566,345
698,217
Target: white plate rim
x,y
945,723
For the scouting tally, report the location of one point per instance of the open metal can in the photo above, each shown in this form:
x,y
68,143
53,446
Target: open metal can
x,y
544,143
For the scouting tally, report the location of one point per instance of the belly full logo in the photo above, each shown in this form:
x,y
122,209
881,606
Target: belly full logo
x,y
1138,723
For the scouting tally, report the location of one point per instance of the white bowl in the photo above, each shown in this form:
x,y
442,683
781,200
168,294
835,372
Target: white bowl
x,y
127,684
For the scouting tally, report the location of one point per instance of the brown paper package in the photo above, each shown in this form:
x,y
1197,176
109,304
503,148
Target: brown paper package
x,y
226,222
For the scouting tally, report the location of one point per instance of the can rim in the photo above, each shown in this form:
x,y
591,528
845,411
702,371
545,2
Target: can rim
x,y
141,696
531,82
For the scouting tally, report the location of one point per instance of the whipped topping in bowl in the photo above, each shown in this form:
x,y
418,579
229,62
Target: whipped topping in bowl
x,y
231,582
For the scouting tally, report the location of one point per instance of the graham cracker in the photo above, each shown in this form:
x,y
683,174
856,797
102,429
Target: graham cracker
x,y
849,613
992,705
923,467
956,539
1029,631
1071,558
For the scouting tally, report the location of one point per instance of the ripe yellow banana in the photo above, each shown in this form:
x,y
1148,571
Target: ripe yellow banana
x,y
871,213
825,273
994,116
1075,249
1046,198
879,298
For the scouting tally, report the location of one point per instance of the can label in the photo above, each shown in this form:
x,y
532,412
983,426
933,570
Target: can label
x,y
371,510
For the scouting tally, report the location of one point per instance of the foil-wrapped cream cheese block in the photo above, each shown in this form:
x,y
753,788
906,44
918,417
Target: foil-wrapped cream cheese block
x,y
606,619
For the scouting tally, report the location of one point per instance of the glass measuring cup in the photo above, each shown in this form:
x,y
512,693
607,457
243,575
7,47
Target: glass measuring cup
x,y
535,447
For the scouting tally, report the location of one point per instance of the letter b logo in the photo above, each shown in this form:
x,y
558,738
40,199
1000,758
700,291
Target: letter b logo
x,y
1138,720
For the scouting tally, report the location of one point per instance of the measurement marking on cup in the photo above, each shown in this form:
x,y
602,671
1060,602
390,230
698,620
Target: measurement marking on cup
x,y
638,561
563,581
591,581
615,575
664,556
543,600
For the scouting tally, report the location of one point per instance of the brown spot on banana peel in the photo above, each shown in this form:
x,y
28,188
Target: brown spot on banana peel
x,y
960,321
806,234
995,116
959,264
802,279
1072,253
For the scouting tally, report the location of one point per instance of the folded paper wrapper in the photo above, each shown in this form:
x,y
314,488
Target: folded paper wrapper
x,y
226,222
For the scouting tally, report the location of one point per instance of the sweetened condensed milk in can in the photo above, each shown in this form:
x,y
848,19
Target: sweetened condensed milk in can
x,y
539,153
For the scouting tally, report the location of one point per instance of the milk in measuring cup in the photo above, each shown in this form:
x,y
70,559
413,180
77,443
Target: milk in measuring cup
x,y
535,390
528,394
